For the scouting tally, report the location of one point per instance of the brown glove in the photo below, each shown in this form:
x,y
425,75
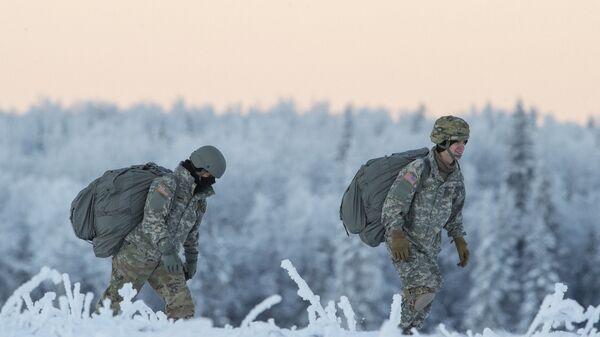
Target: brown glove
x,y
399,246
463,251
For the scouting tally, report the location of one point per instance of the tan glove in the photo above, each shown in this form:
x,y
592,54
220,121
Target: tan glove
x,y
399,246
463,251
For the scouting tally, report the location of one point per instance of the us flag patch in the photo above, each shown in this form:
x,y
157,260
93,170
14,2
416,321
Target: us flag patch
x,y
163,190
411,178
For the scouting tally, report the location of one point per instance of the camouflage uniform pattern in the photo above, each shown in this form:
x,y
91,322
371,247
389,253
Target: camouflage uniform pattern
x,y
422,215
133,265
172,212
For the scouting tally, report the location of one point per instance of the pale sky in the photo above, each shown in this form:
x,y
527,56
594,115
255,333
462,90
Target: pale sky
x,y
397,54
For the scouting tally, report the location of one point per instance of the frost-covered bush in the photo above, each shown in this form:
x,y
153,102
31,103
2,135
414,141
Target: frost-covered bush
x,y
70,315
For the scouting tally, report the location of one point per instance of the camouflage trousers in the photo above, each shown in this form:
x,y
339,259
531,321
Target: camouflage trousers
x,y
131,265
420,275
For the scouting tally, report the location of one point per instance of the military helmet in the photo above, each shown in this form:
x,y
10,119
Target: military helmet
x,y
449,128
209,158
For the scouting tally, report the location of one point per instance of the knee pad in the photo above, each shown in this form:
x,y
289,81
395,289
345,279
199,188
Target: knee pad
x,y
420,297
423,301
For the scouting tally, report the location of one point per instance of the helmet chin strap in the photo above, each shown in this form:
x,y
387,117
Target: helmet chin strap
x,y
452,155
446,147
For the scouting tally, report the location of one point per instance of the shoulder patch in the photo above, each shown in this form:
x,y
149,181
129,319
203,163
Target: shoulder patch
x,y
411,178
164,190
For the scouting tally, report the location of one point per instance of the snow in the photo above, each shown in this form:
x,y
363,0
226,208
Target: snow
x,y
260,308
390,326
22,316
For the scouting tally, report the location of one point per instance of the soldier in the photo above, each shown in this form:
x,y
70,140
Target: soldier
x,y
413,217
173,211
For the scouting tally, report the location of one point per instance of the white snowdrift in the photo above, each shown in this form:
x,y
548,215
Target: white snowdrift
x,y
70,315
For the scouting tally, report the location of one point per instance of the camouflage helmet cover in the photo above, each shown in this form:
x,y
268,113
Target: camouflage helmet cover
x,y
449,128
209,158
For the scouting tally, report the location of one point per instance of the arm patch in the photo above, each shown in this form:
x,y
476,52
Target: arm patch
x,y
411,178
164,191
403,189
160,197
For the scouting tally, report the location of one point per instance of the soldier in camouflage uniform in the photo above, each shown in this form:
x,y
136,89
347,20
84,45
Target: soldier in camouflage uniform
x,y
173,211
413,217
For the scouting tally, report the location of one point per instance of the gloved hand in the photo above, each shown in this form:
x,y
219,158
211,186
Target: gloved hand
x,y
399,246
191,265
463,251
170,258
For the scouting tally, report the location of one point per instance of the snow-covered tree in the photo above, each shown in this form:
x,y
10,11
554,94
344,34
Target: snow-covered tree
x,y
588,287
542,258
502,260
493,279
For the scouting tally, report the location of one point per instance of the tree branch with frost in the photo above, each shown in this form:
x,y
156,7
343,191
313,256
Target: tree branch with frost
x,y
592,316
263,306
78,303
348,312
306,294
444,331
555,310
137,310
73,308
331,312
390,326
14,303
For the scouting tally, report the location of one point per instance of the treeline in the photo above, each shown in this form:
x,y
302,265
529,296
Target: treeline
x,y
531,211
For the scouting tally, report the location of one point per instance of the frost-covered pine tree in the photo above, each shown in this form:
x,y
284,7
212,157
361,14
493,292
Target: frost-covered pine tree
x,y
15,267
356,269
518,213
592,125
346,138
538,262
587,289
493,279
504,245
541,262
521,161
418,119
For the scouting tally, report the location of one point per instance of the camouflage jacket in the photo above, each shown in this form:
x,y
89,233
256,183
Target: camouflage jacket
x,y
422,214
172,212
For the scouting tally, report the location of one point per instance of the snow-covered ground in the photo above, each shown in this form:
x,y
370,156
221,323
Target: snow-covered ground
x,y
70,315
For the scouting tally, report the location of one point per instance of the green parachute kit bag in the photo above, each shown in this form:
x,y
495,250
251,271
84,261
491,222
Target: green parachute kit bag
x,y
362,203
112,206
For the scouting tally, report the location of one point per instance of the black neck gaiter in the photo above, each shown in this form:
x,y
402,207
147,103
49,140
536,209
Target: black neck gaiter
x,y
201,183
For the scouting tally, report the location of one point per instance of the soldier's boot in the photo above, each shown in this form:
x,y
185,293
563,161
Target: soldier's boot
x,y
416,304
408,314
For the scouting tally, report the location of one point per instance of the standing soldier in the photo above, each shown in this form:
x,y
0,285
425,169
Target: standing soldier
x,y
173,211
413,217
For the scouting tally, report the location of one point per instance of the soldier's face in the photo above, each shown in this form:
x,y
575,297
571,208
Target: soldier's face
x,y
204,174
458,149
